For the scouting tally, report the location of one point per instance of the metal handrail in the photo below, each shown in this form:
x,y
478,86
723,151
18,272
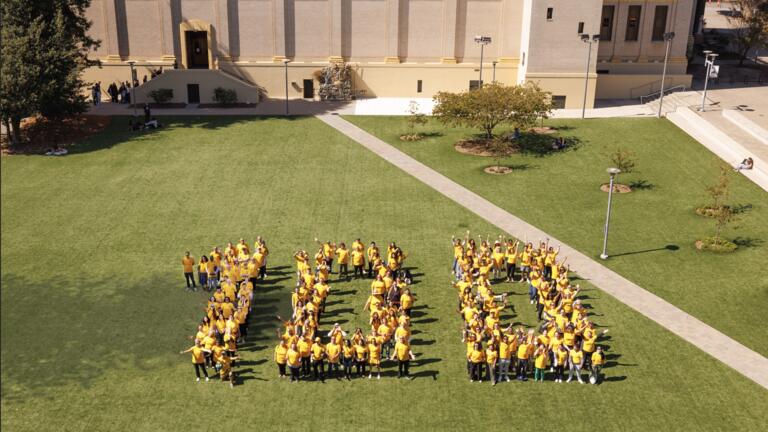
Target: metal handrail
x,y
656,94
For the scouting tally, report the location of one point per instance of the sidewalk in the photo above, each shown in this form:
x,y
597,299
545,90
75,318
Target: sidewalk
x,y
373,106
745,361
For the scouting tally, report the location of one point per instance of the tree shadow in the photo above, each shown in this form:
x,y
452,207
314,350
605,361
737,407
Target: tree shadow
x,y
541,145
641,185
747,242
741,208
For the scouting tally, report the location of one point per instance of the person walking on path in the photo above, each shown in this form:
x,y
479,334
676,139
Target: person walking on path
x,y
188,262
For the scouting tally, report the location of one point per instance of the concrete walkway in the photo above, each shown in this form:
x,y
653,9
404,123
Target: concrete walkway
x,y
742,359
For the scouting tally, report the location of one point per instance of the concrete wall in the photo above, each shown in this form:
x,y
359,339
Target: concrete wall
x,y
208,80
634,86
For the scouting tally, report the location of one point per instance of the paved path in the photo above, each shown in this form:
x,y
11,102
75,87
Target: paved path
x,y
742,359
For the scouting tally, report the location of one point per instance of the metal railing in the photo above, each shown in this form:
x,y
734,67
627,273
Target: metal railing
x,y
651,96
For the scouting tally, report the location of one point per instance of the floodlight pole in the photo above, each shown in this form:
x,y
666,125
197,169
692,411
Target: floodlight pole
x,y
588,39
709,62
133,86
285,63
612,172
668,38
494,71
483,41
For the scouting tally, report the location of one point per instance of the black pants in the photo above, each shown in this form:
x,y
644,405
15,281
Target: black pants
x,y
348,367
548,272
360,367
333,369
402,368
305,366
522,365
281,369
343,270
510,271
190,278
559,370
539,309
329,263
198,367
476,373
318,369
295,373
358,270
370,269
262,272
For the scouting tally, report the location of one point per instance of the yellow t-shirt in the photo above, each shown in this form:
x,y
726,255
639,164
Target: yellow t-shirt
x,y
491,356
197,355
281,354
406,301
523,351
333,351
403,351
293,358
343,255
189,264
597,359
477,356
541,359
317,352
576,356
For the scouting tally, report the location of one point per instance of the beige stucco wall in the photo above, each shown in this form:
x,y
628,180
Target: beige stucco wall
x,y
634,86
570,85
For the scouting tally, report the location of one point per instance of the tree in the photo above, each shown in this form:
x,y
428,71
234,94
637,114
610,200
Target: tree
x,y
623,160
415,119
499,148
44,46
750,18
492,105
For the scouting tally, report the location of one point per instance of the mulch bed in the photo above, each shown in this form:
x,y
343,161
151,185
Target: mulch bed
x,y
497,170
479,147
617,188
41,135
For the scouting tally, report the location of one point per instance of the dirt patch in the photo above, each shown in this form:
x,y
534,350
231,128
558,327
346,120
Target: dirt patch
x,y
498,170
411,137
480,147
42,134
617,188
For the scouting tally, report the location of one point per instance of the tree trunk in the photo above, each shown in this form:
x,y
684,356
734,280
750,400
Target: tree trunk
x,y
743,57
15,131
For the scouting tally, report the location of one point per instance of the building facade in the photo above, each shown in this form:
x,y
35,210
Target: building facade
x,y
402,48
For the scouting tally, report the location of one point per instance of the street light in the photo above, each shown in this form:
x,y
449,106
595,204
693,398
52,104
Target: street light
x,y
133,85
483,41
285,63
709,62
668,39
494,70
587,39
612,172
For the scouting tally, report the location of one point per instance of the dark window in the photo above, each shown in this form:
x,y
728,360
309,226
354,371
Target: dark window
x,y
603,71
633,23
659,23
606,23
549,13
418,86
581,27
474,84
558,102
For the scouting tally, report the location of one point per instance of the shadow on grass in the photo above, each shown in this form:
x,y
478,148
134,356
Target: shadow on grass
x,y
747,242
669,247
540,145
641,185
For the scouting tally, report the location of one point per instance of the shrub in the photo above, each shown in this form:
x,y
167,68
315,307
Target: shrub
x,y
714,244
224,96
161,95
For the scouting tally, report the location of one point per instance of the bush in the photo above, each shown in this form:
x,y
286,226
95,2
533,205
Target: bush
x,y
224,96
718,245
162,95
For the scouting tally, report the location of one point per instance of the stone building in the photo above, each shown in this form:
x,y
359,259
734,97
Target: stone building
x,y
396,48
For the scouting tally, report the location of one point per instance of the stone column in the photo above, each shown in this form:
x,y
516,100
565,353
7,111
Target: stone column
x,y
279,49
450,8
221,31
166,17
110,24
337,26
393,32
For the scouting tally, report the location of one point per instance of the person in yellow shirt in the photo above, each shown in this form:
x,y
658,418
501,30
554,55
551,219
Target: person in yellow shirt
x,y
541,356
361,357
372,254
318,360
343,254
374,355
305,349
358,261
505,357
404,356
523,354
406,302
597,360
202,272
188,262
348,357
477,361
333,354
293,359
198,359
491,358
281,357
575,361
226,371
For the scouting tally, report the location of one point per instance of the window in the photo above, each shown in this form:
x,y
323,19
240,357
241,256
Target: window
x,y
581,27
633,23
474,84
606,23
603,71
549,14
418,86
659,23
558,102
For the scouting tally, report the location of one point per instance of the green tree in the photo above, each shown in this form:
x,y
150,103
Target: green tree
x,y
44,46
415,118
492,105
750,18
624,160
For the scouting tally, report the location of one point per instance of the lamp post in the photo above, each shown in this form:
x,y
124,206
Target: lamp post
x,y
709,62
668,39
483,41
587,39
612,172
494,70
133,85
285,64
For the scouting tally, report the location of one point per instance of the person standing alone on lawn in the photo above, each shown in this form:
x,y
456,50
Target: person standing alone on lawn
x,y
188,262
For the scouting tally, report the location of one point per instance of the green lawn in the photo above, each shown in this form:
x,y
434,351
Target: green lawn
x,y
652,229
94,312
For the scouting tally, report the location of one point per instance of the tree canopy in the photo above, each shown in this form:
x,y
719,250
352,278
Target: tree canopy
x,y
492,105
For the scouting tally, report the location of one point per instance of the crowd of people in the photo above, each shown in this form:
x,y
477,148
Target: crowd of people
x,y
565,339
304,352
230,277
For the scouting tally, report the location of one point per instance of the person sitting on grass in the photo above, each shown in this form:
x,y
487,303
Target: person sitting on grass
x,y
56,151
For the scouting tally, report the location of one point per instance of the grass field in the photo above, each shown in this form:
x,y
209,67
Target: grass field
x,y
652,229
94,311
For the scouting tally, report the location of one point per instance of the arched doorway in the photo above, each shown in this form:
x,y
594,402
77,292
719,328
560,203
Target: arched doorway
x,y
196,43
